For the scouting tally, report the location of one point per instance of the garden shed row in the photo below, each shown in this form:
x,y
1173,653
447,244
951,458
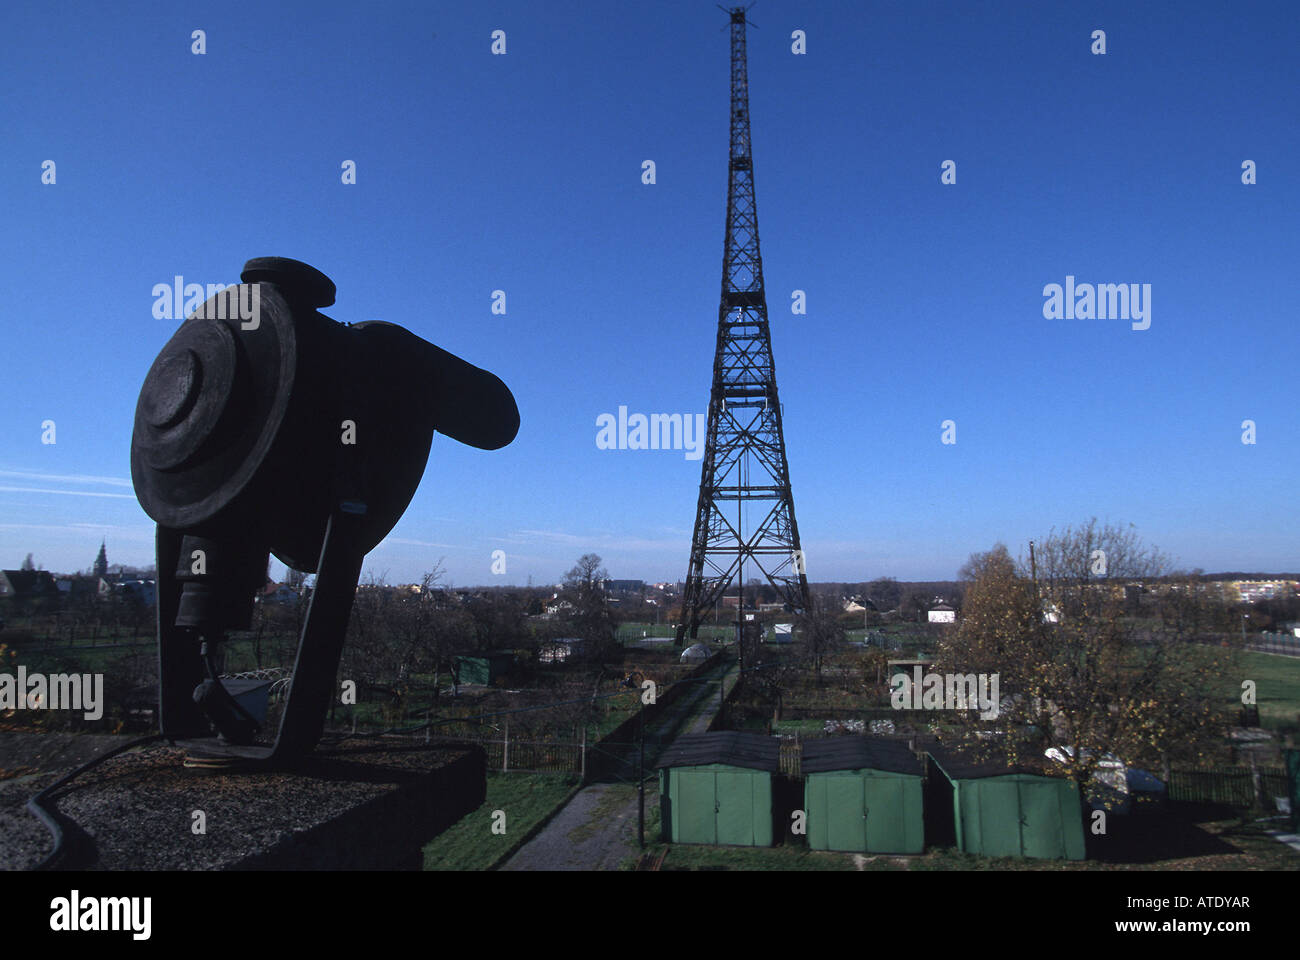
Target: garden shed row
x,y
864,794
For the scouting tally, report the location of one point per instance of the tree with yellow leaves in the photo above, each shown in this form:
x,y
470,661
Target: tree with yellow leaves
x,y
1101,651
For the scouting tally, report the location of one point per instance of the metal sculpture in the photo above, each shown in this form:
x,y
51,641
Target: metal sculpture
x,y
265,427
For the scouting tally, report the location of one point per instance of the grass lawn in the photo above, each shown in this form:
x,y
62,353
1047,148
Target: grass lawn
x,y
690,856
526,798
1277,680
798,726
630,632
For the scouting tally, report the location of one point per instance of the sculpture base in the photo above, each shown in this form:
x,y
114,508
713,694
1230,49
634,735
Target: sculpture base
x,y
358,805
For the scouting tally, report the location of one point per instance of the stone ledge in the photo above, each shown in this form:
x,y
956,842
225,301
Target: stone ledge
x,y
358,805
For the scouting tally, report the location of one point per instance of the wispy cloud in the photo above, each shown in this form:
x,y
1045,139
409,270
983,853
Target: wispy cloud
x,y
547,536
601,540
406,542
66,478
68,533
68,493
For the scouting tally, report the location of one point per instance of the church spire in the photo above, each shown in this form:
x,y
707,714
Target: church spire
x,y
101,562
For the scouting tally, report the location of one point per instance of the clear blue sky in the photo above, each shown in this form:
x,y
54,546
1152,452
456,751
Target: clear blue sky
x,y
522,173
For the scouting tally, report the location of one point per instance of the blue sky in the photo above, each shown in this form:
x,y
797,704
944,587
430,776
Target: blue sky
x,y
522,173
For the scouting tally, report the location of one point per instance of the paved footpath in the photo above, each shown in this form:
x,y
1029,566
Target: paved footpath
x,y
597,828
595,831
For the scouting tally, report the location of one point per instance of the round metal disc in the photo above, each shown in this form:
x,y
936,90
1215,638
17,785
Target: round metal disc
x,y
211,406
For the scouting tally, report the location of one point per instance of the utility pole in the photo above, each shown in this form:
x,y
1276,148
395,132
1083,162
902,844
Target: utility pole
x,y
744,458
634,682
640,779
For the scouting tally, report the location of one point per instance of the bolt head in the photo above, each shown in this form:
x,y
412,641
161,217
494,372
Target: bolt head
x,y
173,388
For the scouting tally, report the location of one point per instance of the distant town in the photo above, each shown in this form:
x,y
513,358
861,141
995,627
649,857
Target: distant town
x,y
31,590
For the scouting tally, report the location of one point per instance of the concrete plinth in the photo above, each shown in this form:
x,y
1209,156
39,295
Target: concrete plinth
x,y
360,805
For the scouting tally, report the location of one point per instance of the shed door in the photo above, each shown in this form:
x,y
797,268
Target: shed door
x,y
694,809
1040,820
886,831
735,807
998,811
846,816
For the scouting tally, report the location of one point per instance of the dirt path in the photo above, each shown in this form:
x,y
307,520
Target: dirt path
x,y
597,829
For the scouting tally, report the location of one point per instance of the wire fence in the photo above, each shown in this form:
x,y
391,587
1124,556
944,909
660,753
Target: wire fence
x,y
529,756
615,754
1237,785
1287,644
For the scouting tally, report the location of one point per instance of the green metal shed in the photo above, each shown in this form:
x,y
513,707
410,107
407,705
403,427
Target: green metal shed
x,y
483,667
863,794
717,788
996,809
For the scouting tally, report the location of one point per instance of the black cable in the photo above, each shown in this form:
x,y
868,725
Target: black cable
x,y
224,695
46,816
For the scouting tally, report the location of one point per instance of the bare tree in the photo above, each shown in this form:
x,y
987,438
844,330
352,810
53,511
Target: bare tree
x,y
823,634
771,672
590,618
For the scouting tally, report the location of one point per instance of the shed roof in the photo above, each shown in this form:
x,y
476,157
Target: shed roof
x,y
964,765
737,748
859,753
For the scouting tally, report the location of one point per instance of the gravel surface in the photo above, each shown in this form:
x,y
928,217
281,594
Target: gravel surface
x,y
46,752
340,807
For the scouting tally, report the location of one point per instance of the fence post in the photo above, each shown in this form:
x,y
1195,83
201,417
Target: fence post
x,y
505,748
583,770
1255,783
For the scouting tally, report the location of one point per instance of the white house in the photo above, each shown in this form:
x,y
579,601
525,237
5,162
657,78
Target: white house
x,y
942,614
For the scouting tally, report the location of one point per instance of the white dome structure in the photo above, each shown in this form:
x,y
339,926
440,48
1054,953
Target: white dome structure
x,y
695,653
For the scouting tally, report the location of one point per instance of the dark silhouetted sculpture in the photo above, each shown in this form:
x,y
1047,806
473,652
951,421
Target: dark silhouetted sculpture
x,y
265,427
